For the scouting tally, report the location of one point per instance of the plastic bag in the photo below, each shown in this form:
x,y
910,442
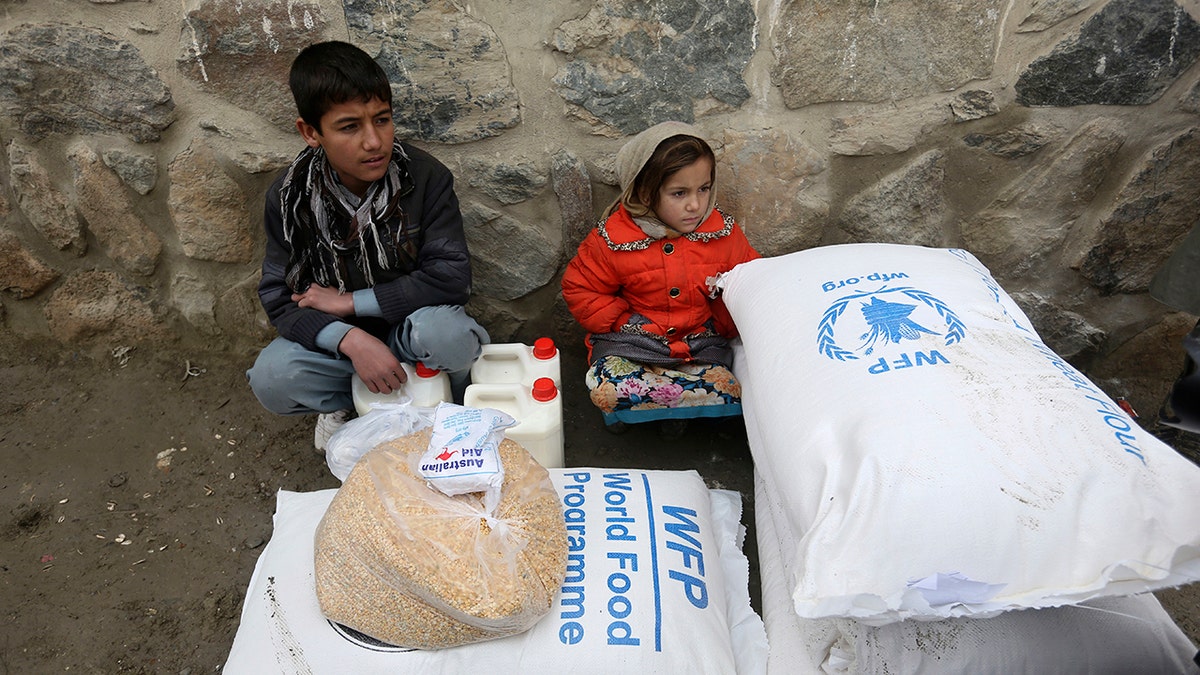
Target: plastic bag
x,y
400,561
462,455
385,422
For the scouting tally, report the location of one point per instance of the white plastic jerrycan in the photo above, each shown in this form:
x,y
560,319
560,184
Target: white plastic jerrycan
x,y
426,386
516,363
537,409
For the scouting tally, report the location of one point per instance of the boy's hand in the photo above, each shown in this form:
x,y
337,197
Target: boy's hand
x,y
327,300
373,361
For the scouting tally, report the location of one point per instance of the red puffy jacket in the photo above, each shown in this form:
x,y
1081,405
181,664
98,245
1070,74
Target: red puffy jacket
x,y
619,270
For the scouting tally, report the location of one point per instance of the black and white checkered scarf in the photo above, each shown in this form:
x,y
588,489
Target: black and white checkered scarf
x,y
329,228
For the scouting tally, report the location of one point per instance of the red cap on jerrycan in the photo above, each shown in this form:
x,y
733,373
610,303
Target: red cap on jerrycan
x,y
543,348
425,371
544,389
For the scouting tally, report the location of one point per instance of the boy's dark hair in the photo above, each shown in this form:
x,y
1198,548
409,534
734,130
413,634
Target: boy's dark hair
x,y
328,73
670,156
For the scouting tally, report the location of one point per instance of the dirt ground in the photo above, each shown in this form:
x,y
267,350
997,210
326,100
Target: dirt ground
x,y
137,490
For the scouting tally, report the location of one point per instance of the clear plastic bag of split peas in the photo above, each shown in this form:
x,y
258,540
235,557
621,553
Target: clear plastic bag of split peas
x,y
406,564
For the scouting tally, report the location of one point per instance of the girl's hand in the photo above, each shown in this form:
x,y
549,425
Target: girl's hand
x,y
327,300
637,323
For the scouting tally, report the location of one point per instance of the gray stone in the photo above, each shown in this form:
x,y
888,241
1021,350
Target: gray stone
x,y
1145,349
1032,217
573,187
21,273
450,77
502,323
1150,216
1070,335
973,105
829,50
802,228
209,208
46,208
242,54
1043,14
239,313
905,207
776,187
606,169
195,301
1176,283
1070,182
253,150
260,160
97,305
508,258
635,64
1128,53
1015,142
506,182
1190,102
101,199
138,171
71,79
888,132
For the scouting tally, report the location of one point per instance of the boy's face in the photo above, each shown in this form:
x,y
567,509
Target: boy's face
x,y
357,137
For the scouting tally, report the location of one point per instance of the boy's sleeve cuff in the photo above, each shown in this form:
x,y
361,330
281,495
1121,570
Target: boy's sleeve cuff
x,y
366,304
331,336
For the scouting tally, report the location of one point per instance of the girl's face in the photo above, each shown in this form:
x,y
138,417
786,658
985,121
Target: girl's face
x,y
683,197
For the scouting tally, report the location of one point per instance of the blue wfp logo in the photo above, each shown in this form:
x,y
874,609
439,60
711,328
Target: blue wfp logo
x,y
878,322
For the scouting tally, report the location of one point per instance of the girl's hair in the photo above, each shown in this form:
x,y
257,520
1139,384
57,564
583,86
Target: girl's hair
x,y
328,73
673,154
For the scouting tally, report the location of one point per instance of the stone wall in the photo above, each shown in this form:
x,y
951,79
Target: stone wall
x,y
1055,139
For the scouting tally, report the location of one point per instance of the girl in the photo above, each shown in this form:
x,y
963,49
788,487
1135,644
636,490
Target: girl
x,y
657,337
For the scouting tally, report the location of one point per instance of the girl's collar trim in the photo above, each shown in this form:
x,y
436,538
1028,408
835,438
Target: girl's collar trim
x,y
645,242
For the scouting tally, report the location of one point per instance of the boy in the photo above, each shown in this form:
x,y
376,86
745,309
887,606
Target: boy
x,y
366,263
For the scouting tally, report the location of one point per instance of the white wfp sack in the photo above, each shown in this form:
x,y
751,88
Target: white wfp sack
x,y
629,604
1119,635
931,457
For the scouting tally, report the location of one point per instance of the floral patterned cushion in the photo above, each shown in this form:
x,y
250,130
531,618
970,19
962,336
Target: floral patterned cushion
x,y
618,384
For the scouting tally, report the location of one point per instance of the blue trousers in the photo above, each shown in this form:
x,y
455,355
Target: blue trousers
x,y
289,379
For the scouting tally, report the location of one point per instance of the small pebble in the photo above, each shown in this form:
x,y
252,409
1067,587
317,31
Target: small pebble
x,y
117,480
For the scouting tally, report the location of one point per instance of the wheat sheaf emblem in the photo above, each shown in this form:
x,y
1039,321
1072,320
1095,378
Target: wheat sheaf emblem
x,y
888,322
